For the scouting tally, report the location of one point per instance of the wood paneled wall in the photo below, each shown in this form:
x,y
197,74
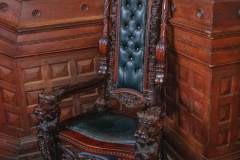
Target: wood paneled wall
x,y
45,45
202,92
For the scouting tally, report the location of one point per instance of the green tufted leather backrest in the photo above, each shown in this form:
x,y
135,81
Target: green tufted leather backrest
x,y
132,44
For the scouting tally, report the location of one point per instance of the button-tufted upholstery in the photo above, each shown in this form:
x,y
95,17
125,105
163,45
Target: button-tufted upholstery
x,y
132,44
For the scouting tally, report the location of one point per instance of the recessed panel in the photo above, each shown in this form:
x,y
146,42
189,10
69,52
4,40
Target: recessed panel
x,y
183,123
32,74
238,134
14,119
32,97
33,120
66,113
224,113
88,107
9,97
197,109
183,100
85,66
198,82
6,74
59,70
183,74
225,86
197,134
223,138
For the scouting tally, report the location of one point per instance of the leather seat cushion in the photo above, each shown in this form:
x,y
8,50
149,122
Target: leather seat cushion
x,y
132,44
107,127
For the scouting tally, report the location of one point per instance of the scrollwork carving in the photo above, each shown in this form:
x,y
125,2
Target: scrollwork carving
x,y
130,100
113,21
153,39
149,133
47,113
162,46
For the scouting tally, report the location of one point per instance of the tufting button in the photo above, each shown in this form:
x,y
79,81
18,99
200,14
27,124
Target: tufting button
x,y
128,5
140,5
130,58
137,49
126,26
131,37
138,26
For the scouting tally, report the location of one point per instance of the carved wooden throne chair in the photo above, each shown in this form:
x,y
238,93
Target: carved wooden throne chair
x,y
132,68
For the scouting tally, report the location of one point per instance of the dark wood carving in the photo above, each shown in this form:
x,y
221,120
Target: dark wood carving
x,y
153,39
149,133
113,19
130,99
162,46
48,114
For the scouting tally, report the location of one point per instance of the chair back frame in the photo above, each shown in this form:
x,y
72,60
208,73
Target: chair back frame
x,y
154,57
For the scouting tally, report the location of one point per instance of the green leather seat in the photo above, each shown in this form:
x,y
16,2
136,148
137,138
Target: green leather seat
x,y
107,127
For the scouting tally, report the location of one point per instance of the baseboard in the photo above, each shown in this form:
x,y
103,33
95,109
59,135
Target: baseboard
x,y
178,149
12,148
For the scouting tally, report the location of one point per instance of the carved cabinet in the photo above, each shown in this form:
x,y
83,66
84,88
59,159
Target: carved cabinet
x,y
202,93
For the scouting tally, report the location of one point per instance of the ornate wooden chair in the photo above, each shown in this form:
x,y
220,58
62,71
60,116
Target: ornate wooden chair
x,y
132,68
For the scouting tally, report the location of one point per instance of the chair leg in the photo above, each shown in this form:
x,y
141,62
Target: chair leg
x,y
47,113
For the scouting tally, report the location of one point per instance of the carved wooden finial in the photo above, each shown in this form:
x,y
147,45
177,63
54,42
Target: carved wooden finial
x,y
162,46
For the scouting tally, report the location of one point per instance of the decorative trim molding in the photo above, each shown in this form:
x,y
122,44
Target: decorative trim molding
x,y
95,150
182,146
205,31
57,39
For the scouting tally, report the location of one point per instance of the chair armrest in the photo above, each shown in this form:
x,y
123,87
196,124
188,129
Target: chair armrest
x,y
48,103
48,114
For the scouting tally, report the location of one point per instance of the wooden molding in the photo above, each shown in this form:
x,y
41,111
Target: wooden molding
x,y
17,148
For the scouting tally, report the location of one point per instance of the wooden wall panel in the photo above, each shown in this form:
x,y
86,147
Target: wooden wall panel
x,y
45,45
187,98
225,109
202,91
39,77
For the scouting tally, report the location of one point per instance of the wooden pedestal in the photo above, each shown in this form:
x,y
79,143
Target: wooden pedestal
x,y
203,80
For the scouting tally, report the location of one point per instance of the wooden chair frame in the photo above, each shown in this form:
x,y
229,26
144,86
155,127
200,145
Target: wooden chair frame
x,y
149,131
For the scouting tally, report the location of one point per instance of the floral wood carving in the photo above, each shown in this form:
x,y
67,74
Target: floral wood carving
x,y
153,39
129,99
